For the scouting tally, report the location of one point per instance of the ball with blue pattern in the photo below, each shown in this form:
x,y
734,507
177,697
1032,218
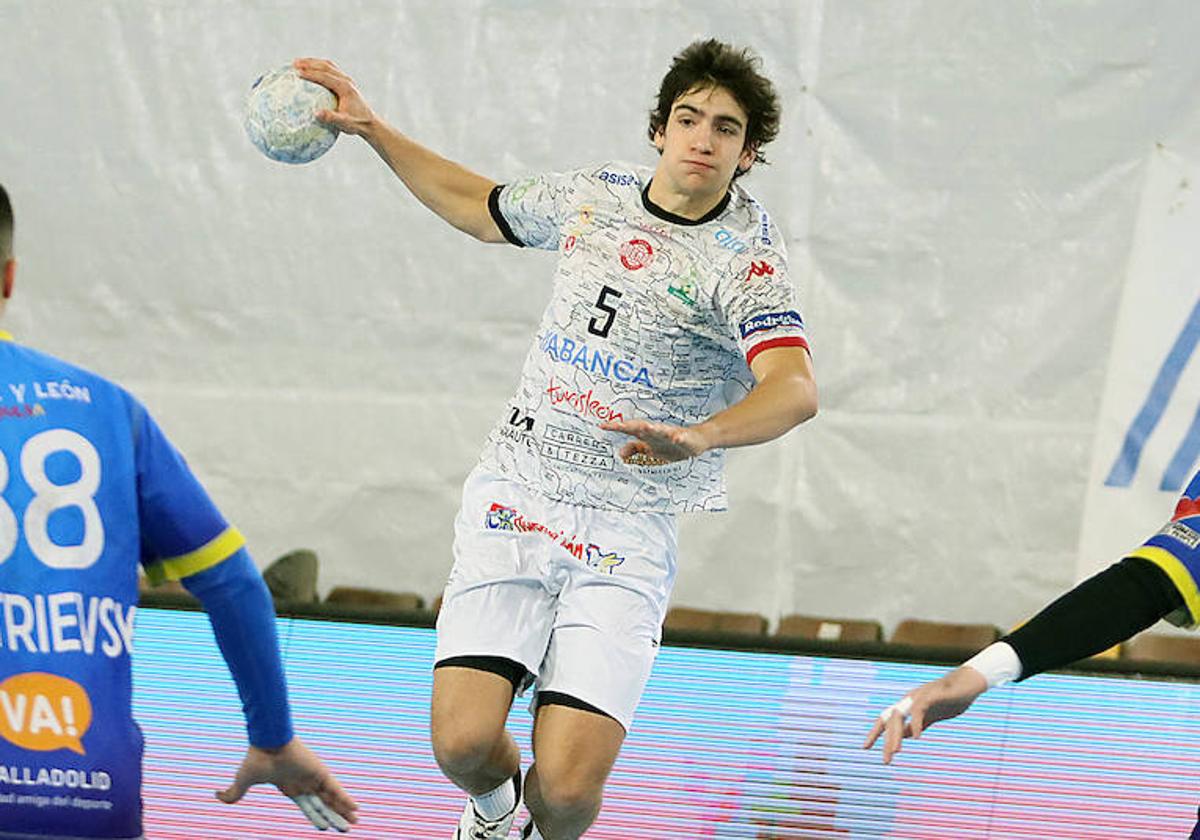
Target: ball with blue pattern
x,y
280,116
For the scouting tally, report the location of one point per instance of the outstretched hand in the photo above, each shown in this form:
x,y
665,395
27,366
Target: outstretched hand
x,y
300,775
353,115
657,443
922,707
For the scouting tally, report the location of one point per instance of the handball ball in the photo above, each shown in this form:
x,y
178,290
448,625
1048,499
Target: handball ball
x,y
281,116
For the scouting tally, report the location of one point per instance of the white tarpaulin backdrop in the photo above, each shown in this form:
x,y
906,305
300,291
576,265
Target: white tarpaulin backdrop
x,y
967,188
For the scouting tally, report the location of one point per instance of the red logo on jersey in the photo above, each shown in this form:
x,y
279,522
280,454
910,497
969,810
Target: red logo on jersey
x,y
569,244
759,269
1186,507
636,253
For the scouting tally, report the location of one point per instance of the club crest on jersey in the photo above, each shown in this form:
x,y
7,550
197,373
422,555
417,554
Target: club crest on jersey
x,y
761,268
771,321
636,253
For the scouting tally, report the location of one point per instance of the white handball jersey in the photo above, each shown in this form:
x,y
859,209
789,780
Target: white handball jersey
x,y
653,316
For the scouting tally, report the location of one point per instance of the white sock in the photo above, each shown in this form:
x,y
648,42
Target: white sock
x,y
531,832
498,803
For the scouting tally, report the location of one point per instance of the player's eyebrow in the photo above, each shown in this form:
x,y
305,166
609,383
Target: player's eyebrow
x,y
721,119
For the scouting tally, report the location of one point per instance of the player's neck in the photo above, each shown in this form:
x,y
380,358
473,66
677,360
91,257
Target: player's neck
x,y
689,205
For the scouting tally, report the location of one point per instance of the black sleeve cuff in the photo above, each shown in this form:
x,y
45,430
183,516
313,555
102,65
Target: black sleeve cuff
x,y
498,217
1104,610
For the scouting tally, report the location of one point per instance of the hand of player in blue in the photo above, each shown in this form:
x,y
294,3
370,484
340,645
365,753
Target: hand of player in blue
x,y
657,443
300,775
353,115
922,707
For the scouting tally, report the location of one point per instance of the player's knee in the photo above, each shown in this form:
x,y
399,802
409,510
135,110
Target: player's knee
x,y
462,751
568,795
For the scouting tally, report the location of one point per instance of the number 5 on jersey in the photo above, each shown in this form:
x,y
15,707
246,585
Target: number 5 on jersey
x,y
49,497
609,310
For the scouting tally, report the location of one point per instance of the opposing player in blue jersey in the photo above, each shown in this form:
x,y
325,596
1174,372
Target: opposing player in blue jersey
x,y
672,333
1160,579
90,490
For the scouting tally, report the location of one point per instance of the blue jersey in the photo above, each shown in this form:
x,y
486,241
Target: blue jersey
x,y
89,489
1176,550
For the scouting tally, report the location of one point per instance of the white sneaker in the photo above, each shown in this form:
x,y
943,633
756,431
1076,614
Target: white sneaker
x,y
471,826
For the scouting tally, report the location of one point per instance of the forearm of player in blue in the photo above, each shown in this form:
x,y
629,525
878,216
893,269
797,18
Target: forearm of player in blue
x,y
243,620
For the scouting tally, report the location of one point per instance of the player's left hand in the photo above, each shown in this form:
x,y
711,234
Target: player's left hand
x,y
922,707
300,775
657,443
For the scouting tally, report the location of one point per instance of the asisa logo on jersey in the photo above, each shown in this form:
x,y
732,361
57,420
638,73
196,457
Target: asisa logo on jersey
x,y
636,253
762,268
579,355
727,239
771,321
617,179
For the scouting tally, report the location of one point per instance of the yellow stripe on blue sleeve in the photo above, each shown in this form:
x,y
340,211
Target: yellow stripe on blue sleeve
x,y
215,551
1179,575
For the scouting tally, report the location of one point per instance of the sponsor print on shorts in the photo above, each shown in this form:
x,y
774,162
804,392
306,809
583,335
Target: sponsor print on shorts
x,y
504,518
771,321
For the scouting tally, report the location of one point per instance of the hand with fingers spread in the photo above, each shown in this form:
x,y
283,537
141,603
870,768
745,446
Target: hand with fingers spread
x,y
657,443
922,707
300,775
353,115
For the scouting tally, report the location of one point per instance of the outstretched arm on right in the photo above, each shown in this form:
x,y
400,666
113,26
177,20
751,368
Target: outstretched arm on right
x,y
454,192
1104,610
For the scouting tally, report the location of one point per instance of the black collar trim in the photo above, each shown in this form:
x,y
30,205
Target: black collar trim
x,y
668,216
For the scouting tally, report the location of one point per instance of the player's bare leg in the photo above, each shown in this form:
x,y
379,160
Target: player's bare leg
x,y
574,751
472,746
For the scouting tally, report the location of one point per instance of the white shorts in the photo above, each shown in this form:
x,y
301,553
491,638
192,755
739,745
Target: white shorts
x,y
575,594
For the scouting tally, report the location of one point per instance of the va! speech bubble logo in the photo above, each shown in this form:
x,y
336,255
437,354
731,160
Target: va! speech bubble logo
x,y
44,712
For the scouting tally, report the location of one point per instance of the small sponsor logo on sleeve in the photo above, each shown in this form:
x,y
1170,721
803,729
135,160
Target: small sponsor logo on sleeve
x,y
761,268
771,321
1181,533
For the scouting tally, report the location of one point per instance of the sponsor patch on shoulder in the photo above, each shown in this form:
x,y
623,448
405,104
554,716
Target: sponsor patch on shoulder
x,y
1182,533
770,321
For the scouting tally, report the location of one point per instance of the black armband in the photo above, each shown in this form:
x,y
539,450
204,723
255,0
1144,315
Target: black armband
x,y
1104,610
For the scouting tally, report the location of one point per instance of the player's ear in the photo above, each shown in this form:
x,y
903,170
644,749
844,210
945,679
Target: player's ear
x,y
659,139
747,159
9,278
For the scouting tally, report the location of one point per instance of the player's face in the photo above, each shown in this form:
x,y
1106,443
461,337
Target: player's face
x,y
704,141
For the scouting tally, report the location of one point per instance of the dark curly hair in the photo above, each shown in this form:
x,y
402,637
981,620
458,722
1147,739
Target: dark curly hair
x,y
713,63
6,226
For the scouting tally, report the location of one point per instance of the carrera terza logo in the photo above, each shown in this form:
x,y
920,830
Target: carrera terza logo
x,y
1181,533
636,253
770,321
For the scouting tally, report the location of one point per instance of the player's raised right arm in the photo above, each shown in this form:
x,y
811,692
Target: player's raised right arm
x,y
454,192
